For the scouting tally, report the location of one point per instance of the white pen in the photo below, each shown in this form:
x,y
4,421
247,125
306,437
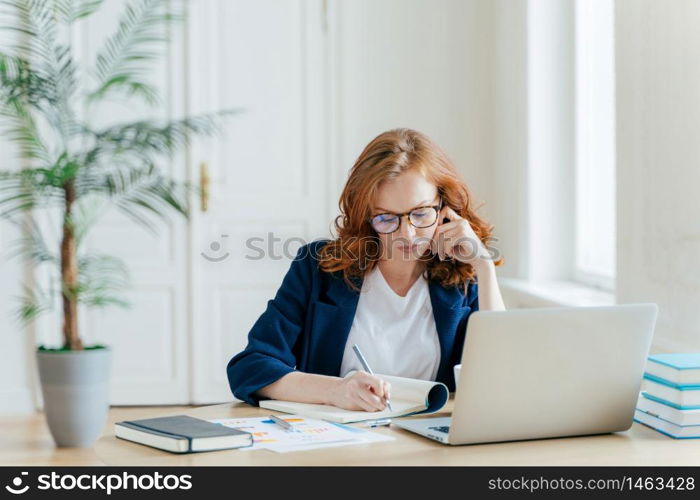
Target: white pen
x,y
365,365
283,423
378,422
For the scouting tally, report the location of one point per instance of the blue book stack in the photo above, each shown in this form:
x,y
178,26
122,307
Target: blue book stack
x,y
670,400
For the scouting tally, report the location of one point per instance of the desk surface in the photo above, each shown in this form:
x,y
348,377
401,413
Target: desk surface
x,y
638,446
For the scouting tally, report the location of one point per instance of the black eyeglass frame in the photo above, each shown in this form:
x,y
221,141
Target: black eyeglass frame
x,y
437,209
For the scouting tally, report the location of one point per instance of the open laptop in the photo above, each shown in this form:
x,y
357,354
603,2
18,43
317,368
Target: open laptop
x,y
543,373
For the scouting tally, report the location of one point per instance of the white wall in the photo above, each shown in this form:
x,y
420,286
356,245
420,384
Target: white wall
x,y
658,116
416,64
507,138
658,178
17,374
528,65
16,366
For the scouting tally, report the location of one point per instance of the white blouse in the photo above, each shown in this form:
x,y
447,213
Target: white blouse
x,y
397,335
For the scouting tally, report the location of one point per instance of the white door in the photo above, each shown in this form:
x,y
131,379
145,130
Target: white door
x,y
268,172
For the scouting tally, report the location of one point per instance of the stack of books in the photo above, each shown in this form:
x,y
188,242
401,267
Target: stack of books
x,y
670,400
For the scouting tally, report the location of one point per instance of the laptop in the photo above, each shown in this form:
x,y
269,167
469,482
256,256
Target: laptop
x,y
545,373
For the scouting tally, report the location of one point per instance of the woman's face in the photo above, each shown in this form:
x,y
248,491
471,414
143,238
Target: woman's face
x,y
400,195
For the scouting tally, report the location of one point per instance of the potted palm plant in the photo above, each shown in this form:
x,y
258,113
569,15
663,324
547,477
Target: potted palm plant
x,y
68,166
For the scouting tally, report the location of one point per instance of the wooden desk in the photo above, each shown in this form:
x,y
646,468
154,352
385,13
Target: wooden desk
x,y
638,446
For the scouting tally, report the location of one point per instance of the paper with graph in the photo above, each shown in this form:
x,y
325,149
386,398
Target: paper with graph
x,y
308,433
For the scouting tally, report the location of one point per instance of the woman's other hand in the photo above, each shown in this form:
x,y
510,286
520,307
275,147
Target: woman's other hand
x,y
456,238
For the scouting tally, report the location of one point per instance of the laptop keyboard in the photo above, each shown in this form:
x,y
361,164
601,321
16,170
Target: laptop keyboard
x,y
441,428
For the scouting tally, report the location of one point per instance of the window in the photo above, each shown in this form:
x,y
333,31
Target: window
x,y
595,143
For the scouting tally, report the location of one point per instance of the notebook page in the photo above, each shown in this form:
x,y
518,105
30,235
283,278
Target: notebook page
x,y
334,414
408,396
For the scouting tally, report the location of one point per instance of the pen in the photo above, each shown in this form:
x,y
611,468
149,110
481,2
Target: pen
x,y
378,422
282,423
366,367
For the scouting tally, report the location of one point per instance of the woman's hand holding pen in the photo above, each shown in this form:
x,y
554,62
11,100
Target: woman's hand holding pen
x,y
361,391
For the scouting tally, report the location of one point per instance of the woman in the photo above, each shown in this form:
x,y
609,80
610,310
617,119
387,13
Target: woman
x,y
400,280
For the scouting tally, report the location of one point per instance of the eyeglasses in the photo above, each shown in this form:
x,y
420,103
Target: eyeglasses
x,y
420,217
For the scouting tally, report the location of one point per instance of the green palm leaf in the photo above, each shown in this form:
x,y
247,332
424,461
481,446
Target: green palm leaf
x,y
147,139
28,189
52,63
142,193
31,245
127,55
72,10
32,303
20,89
103,279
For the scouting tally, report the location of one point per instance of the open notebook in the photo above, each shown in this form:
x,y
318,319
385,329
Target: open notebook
x,y
408,396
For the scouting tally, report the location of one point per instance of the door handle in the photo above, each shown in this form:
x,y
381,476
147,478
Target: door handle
x,y
204,186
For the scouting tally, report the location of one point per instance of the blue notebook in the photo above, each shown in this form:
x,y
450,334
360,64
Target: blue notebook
x,y
682,369
666,427
679,396
678,416
671,384
670,403
678,360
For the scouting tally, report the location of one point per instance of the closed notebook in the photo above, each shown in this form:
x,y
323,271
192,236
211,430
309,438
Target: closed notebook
x,y
679,396
666,427
677,368
666,412
182,434
408,396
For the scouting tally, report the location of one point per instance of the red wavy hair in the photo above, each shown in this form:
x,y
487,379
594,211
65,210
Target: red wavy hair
x,y
353,251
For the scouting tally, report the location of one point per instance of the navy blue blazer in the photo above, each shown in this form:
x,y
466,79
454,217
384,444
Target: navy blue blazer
x,y
306,326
